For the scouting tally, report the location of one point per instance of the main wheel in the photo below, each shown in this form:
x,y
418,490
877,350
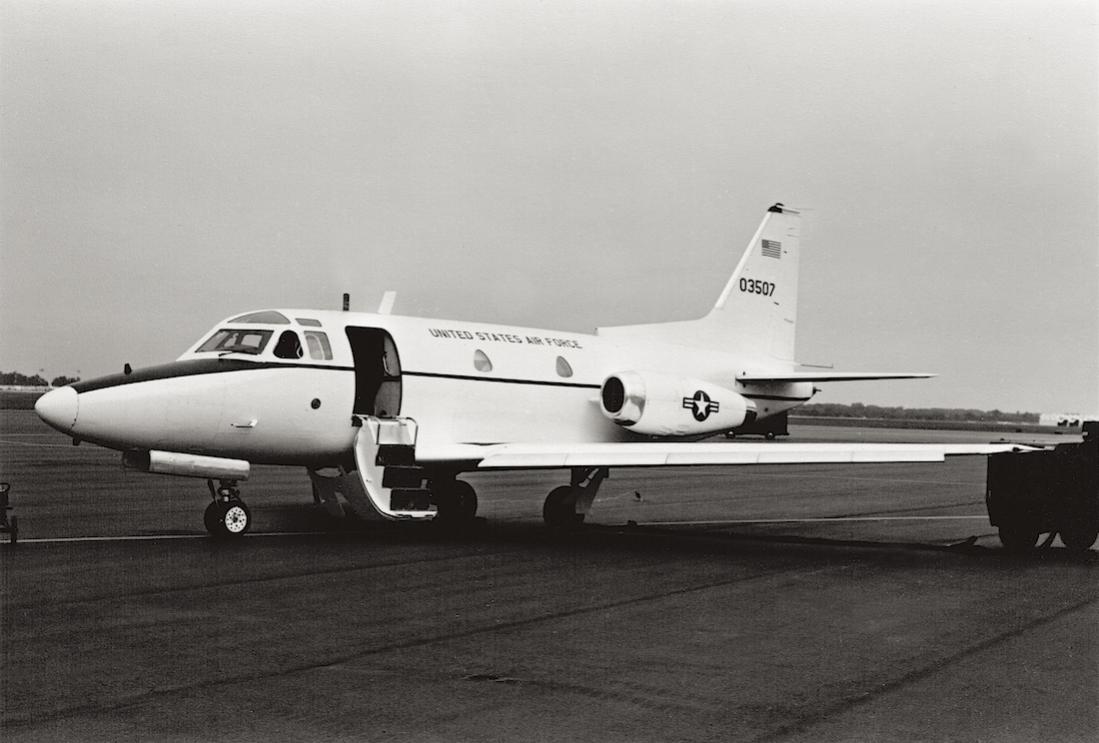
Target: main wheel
x,y
1018,537
559,510
455,502
229,518
1080,535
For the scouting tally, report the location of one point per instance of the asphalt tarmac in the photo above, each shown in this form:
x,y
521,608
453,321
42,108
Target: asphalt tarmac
x,y
798,603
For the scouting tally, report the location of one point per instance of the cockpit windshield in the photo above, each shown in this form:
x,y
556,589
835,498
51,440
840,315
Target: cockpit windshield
x,y
232,340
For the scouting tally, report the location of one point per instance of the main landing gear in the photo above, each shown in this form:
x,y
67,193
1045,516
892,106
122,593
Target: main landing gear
x,y
563,511
566,506
455,502
226,516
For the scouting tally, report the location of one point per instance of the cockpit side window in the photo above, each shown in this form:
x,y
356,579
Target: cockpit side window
x,y
319,347
289,346
234,340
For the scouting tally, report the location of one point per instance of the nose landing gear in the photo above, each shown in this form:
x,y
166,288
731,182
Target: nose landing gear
x,y
226,516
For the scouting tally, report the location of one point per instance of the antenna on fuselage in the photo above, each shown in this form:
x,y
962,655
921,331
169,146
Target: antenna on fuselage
x,y
346,301
386,306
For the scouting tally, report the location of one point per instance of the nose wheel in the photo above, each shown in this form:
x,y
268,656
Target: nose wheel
x,y
227,515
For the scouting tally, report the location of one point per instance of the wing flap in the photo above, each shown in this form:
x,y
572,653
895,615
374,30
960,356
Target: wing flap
x,y
662,454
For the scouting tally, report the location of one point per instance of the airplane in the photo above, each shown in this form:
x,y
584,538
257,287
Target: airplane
x,y
386,411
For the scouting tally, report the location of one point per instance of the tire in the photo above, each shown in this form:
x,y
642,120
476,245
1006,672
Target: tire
x,y
227,519
559,510
455,501
211,516
1018,538
1080,535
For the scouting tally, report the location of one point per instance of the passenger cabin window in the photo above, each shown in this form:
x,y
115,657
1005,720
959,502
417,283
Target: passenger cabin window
x,y
265,317
563,368
308,322
234,340
319,348
289,346
481,361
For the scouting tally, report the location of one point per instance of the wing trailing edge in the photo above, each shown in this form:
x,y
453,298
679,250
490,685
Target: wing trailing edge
x,y
660,454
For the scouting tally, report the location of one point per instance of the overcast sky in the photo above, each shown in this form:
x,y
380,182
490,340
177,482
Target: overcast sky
x,y
564,165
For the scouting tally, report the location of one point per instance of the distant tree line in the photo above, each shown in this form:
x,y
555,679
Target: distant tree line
x,y
858,410
15,378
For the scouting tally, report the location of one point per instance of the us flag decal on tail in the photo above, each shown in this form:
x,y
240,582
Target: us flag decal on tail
x,y
772,249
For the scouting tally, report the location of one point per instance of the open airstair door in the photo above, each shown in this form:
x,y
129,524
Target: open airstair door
x,y
386,481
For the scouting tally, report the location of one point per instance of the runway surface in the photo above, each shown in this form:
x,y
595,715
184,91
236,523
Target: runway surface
x,y
799,603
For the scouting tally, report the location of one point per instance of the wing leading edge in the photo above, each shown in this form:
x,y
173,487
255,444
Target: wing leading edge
x,y
659,454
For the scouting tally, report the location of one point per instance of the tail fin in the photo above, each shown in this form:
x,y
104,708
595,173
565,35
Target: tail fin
x,y
756,313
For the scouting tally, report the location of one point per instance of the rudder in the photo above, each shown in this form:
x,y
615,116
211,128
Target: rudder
x,y
756,312
758,306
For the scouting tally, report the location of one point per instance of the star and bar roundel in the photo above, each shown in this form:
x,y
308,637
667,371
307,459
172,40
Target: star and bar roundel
x,y
701,405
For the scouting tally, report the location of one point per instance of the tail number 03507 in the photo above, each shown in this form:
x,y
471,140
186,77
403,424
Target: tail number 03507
x,y
755,286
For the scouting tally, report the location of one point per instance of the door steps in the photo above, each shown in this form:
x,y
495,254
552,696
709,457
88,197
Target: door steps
x,y
386,482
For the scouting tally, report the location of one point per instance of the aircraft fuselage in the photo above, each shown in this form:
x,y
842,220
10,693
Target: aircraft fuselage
x,y
290,397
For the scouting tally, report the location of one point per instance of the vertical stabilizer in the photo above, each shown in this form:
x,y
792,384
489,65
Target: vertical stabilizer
x,y
756,313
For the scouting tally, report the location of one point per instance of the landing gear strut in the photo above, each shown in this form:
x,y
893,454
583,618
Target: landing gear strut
x,y
566,506
226,516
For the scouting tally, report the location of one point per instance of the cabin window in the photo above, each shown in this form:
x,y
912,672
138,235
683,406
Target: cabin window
x,y
231,340
308,322
265,317
289,346
481,361
319,347
563,368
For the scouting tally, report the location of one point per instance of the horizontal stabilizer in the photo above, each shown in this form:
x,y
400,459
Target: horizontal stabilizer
x,y
825,376
660,454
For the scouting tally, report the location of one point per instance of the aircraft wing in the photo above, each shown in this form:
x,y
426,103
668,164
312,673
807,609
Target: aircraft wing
x,y
660,454
825,376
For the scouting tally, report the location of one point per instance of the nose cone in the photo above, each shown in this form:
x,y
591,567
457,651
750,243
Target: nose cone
x,y
58,408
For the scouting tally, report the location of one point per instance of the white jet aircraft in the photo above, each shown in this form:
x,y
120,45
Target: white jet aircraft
x,y
386,411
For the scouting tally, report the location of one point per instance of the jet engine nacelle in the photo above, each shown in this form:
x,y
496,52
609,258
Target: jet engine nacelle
x,y
662,405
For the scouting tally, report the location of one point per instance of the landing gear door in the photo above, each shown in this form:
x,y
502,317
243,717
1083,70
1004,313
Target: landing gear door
x,y
377,372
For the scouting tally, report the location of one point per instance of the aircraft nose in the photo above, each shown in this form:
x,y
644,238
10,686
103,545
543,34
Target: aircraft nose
x,y
58,408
